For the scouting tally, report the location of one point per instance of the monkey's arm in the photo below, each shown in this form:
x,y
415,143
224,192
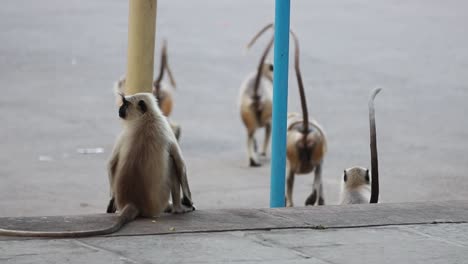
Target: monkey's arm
x,y
179,164
111,168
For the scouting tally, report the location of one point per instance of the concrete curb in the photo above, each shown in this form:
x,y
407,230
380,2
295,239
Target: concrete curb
x,y
322,217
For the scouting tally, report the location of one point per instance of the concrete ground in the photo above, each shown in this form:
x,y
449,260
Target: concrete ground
x,y
59,59
435,232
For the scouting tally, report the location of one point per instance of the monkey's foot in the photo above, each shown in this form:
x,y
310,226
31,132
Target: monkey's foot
x,y
178,209
254,163
321,201
187,202
311,199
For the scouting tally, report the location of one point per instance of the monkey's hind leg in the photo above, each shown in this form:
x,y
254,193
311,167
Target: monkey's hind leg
x,y
289,190
175,207
317,192
267,139
251,150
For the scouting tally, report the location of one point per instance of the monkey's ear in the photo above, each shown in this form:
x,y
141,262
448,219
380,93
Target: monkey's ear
x,y
345,177
120,99
367,176
142,106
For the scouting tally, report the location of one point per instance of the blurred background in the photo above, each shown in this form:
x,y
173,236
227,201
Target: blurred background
x,y
59,60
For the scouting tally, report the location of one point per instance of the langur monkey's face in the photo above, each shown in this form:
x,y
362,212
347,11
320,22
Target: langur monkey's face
x,y
133,107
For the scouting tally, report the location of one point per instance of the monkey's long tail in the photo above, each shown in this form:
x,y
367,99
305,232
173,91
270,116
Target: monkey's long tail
x,y
373,149
258,77
162,67
128,214
168,69
254,39
305,112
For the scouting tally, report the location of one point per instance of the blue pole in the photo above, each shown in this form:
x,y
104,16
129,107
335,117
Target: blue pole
x,y
280,103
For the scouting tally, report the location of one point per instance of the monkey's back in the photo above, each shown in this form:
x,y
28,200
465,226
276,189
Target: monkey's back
x,y
165,100
265,88
246,102
142,176
294,135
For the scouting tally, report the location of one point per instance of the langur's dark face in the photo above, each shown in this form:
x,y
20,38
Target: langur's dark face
x,y
133,107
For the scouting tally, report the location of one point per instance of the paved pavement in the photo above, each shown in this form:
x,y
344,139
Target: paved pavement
x,y
435,232
59,59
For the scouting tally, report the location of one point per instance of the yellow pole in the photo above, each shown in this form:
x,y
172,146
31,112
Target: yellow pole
x,y
141,35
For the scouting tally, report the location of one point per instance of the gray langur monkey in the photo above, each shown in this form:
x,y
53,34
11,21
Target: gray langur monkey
x,y
161,90
306,144
147,145
255,103
358,187
146,166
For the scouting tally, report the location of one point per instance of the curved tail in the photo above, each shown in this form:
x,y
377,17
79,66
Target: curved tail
x,y
167,68
162,66
258,77
305,113
128,214
373,149
256,97
254,39
260,67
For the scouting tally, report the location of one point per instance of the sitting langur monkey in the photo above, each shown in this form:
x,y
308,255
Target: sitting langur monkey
x,y
147,152
145,167
255,105
357,186
306,145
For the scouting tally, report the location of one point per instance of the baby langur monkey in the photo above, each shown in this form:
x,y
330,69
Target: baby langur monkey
x,y
146,165
256,101
357,187
306,144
